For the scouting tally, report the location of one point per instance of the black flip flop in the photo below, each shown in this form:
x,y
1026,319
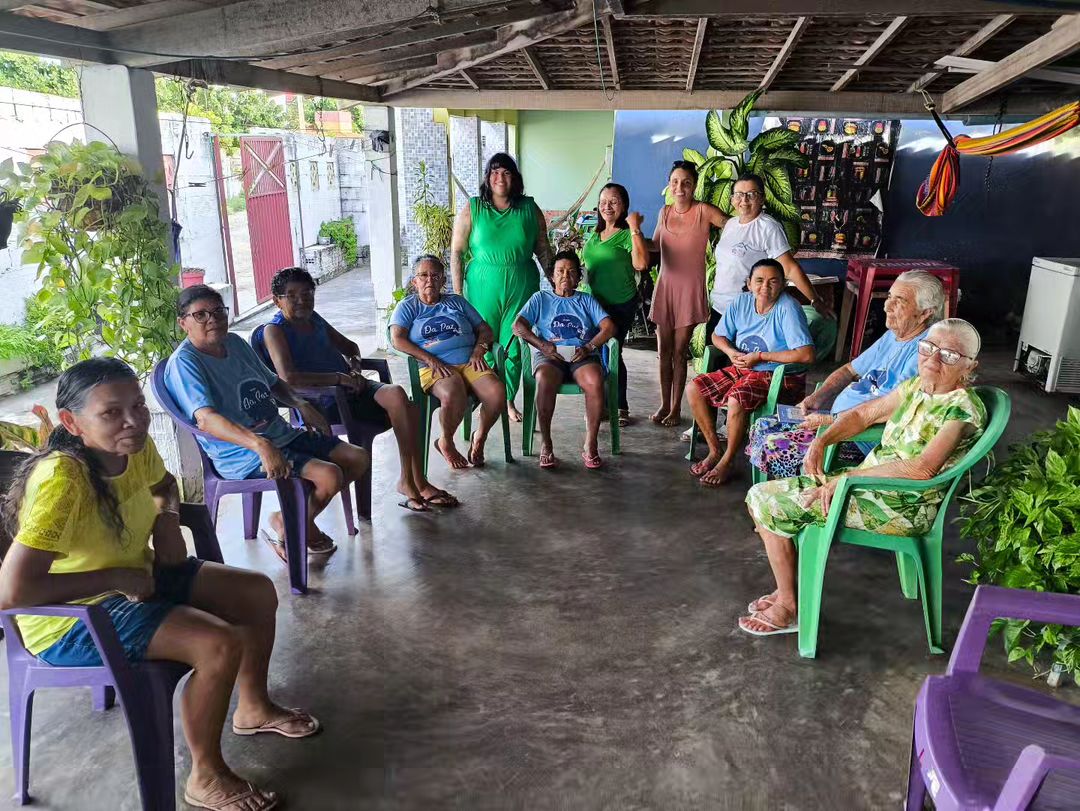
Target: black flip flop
x,y
408,505
443,499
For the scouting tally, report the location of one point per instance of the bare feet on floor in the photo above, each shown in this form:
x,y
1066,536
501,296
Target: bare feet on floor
x,y
513,413
476,450
699,469
718,476
451,454
658,415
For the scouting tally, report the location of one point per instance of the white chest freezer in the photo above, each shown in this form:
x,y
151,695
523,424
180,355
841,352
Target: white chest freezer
x,y
1049,348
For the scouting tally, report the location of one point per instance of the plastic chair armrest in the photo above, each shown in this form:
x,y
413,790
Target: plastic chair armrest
x,y
196,517
871,434
1031,768
377,365
774,388
97,622
996,602
526,358
612,353
712,360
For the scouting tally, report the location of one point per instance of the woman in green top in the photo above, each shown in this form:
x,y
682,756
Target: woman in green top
x,y
613,256
501,230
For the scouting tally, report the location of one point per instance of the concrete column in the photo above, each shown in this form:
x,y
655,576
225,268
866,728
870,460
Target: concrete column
x,y
466,148
384,221
119,104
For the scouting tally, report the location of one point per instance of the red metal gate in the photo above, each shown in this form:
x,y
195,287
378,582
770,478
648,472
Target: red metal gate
x,y
263,162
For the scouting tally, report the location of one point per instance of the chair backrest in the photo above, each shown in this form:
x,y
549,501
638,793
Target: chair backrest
x,y
9,463
166,401
259,345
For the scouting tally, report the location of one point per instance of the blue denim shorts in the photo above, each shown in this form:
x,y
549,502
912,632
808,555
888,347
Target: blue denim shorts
x,y
307,446
135,623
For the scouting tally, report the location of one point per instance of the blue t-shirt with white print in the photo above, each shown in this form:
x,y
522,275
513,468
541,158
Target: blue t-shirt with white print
x,y
784,327
236,386
565,321
446,329
881,368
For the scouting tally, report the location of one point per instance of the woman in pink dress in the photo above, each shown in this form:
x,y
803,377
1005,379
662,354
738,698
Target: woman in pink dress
x,y
679,302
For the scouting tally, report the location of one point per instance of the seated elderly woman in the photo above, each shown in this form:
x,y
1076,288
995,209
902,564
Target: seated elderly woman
x,y
760,330
915,301
930,422
449,339
566,329
307,351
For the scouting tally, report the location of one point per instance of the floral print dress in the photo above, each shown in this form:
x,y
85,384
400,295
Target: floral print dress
x,y
780,506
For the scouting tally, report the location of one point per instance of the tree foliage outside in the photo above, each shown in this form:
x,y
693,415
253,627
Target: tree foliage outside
x,y
24,72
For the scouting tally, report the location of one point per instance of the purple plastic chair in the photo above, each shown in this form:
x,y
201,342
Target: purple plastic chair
x,y
361,434
292,492
145,688
980,743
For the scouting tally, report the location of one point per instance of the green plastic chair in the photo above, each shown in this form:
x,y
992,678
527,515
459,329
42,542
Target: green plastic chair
x,y
611,396
429,402
918,558
712,360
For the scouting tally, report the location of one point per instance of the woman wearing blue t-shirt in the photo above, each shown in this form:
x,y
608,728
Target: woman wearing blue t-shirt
x,y
449,339
915,301
566,329
760,330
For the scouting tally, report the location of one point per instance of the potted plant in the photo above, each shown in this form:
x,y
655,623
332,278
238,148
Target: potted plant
x,y
103,253
9,207
1025,521
436,221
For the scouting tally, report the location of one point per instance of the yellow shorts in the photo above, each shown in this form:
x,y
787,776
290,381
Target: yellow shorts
x,y
427,378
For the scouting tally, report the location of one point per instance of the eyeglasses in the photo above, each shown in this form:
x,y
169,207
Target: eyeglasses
x,y
745,195
202,316
303,295
948,356
436,275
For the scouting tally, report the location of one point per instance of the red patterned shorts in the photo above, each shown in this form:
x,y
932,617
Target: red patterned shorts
x,y
748,388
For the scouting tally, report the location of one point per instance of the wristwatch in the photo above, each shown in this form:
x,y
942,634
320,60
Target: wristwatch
x,y
485,346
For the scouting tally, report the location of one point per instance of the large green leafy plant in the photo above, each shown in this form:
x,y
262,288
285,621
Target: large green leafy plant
x,y
102,251
343,233
436,221
731,152
1025,520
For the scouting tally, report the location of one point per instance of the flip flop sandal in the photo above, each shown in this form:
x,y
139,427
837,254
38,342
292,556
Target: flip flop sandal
x,y
762,604
276,544
278,727
624,418
593,462
443,499
713,483
409,503
234,802
327,547
775,630
476,459
695,470
548,461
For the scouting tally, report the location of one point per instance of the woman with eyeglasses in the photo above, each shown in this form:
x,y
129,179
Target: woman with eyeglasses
x,y
749,236
679,303
220,384
305,350
931,421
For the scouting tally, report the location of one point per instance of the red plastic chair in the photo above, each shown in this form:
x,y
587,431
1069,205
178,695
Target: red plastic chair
x,y
980,743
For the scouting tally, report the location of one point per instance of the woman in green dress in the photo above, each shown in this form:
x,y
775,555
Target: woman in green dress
x,y
930,423
500,230
613,256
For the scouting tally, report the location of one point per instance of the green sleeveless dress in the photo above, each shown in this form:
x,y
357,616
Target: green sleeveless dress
x,y
501,274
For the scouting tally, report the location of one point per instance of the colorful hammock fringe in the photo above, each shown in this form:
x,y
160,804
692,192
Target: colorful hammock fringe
x,y
937,192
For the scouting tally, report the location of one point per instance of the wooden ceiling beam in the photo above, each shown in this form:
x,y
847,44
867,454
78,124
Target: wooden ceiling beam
x,y
243,75
964,64
695,53
971,44
116,18
1059,42
693,9
512,38
46,38
876,47
785,52
468,78
399,39
609,44
388,67
537,68
345,69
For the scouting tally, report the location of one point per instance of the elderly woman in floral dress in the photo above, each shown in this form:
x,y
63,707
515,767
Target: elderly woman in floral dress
x,y
915,301
930,422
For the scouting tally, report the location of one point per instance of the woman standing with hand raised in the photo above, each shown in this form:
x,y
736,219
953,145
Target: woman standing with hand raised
x,y
613,256
679,303
502,230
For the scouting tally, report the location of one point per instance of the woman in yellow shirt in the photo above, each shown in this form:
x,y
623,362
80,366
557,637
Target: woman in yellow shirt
x,y
83,512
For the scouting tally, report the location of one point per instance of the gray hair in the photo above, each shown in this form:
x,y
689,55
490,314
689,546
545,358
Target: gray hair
x,y
929,291
962,331
427,257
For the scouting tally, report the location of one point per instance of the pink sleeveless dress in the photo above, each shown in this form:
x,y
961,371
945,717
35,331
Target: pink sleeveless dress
x,y
680,296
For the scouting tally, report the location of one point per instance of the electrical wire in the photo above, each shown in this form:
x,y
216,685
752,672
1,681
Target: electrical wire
x,y
608,94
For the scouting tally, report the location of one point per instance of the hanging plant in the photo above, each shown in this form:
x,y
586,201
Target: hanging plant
x,y
9,207
102,251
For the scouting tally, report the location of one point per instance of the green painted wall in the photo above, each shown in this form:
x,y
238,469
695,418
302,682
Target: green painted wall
x,y
559,152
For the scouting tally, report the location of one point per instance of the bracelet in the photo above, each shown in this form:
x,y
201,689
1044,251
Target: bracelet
x,y
169,511
636,234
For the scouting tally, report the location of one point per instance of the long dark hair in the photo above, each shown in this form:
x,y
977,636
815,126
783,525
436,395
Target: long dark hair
x,y
500,160
624,196
71,393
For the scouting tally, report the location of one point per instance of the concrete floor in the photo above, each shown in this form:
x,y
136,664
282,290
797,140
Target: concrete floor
x,y
565,640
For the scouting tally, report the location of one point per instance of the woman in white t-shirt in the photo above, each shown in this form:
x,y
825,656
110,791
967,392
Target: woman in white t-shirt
x,y
747,238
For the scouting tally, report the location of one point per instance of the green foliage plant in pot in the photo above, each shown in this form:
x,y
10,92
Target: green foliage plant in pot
x,y
104,262
436,221
1025,521
731,152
